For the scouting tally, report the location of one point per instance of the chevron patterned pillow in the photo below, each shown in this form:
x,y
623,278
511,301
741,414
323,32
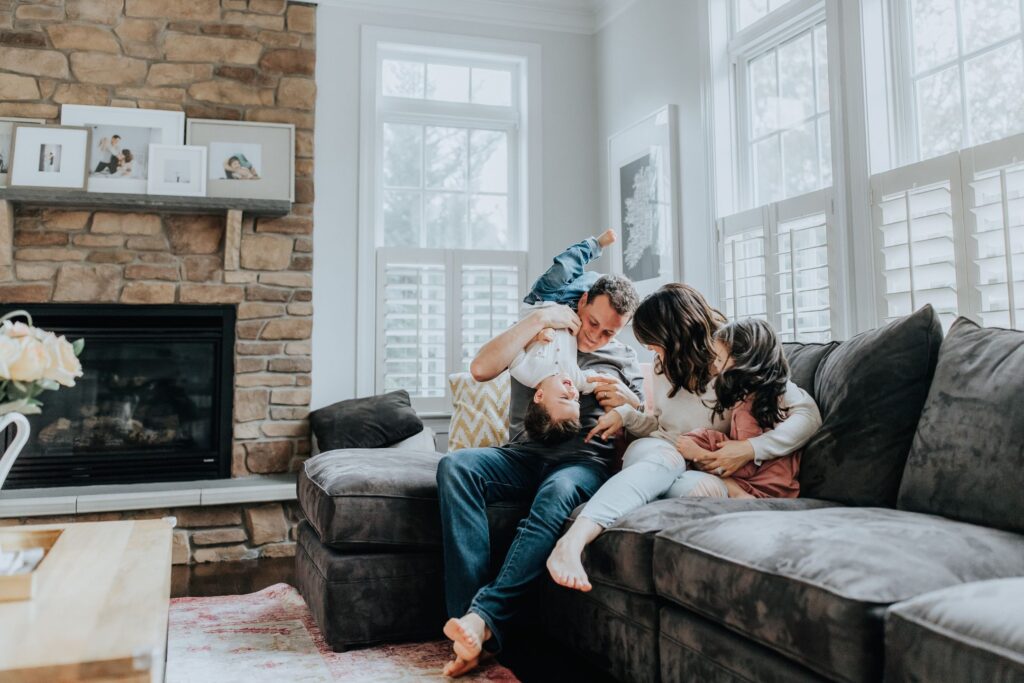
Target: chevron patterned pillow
x,y
480,415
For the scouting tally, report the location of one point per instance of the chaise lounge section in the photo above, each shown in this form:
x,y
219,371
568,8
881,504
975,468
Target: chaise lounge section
x,y
910,503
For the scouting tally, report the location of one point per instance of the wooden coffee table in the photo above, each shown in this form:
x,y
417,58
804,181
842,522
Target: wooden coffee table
x,y
99,612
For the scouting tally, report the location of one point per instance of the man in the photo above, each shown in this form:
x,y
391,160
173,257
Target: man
x,y
112,149
556,478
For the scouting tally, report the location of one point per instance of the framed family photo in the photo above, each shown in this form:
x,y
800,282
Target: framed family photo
x,y
6,142
246,160
177,170
49,157
119,143
642,163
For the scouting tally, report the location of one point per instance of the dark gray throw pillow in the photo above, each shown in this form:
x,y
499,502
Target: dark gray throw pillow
x,y
870,390
371,422
804,360
967,461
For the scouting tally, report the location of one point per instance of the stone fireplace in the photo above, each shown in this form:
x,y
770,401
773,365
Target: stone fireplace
x,y
224,59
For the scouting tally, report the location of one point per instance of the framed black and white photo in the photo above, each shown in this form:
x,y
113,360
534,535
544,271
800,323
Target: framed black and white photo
x,y
642,163
177,170
7,138
120,140
246,160
49,156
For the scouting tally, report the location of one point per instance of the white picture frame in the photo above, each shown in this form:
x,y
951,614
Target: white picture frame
x,y
52,157
7,124
272,177
643,162
117,130
177,170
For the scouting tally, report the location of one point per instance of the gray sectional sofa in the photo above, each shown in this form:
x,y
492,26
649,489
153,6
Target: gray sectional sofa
x,y
903,558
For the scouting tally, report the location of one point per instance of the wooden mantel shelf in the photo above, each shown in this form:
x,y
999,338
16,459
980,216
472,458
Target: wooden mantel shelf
x,y
80,199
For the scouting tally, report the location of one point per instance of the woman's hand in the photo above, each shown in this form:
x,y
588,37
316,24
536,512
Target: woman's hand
x,y
611,392
689,449
607,427
730,456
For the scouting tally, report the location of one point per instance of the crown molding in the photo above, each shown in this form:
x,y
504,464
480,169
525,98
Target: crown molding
x,y
605,11
570,16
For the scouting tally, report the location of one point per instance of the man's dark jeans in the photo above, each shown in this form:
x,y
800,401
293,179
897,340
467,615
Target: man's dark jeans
x,y
469,479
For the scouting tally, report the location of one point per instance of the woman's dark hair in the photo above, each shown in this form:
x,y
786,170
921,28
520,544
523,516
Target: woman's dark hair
x,y
679,319
542,429
759,370
127,154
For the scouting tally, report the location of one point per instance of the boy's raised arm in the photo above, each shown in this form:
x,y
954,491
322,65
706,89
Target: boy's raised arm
x,y
496,355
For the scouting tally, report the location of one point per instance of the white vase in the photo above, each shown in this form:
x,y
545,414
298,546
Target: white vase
x,y
20,439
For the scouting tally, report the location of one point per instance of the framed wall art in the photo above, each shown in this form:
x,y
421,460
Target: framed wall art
x,y
49,156
177,170
246,160
119,143
642,170
7,138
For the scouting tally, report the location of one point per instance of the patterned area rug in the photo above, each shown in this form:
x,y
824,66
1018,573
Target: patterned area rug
x,y
271,636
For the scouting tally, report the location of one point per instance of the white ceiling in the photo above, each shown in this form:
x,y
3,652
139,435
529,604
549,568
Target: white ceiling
x,y
574,16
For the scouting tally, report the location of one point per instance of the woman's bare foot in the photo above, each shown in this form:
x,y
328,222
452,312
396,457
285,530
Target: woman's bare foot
x,y
605,238
459,666
468,636
565,564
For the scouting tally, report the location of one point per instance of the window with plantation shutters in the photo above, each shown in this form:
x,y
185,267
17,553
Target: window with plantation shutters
x,y
776,265
917,217
490,303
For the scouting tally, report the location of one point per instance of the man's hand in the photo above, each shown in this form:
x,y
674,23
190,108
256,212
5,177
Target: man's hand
x,y
611,392
607,427
559,318
730,456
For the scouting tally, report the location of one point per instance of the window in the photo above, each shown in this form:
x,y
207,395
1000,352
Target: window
x,y
446,206
782,100
746,12
959,74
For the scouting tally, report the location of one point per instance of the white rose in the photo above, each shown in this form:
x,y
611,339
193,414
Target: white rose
x,y
17,329
64,366
31,363
10,351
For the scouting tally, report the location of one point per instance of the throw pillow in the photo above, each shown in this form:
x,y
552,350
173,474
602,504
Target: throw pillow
x,y
804,360
480,411
870,391
967,457
371,422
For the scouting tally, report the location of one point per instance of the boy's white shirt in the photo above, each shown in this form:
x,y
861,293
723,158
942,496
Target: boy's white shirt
x,y
540,360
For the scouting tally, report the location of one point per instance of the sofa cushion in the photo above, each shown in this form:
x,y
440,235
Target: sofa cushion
x,y
814,584
967,461
359,499
804,360
371,422
969,632
621,556
870,390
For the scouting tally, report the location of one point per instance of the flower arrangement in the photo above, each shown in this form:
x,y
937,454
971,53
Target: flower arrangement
x,y
33,361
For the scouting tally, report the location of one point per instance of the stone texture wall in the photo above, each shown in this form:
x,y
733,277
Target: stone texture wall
x,y
249,60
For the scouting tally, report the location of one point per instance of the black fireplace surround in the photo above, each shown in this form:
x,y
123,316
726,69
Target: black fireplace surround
x,y
154,403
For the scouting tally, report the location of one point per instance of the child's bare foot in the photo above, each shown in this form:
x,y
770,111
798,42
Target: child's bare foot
x,y
459,666
565,565
468,636
605,238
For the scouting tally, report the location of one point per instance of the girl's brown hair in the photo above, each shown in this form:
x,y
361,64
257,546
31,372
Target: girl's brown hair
x,y
759,371
678,318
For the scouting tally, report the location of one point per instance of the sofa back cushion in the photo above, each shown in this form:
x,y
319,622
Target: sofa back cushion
x,y
870,390
967,460
804,360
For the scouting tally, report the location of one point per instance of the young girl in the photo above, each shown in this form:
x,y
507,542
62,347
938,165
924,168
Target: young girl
x,y
679,326
752,378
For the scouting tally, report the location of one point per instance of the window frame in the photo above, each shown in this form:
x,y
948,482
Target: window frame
x,y
375,109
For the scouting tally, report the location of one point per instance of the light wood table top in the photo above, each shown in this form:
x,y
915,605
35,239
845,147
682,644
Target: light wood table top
x,y
100,607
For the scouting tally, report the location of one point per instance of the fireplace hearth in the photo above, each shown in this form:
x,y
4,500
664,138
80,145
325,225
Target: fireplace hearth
x,y
154,404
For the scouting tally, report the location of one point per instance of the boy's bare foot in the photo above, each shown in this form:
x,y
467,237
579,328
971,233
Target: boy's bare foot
x,y
565,565
607,237
468,636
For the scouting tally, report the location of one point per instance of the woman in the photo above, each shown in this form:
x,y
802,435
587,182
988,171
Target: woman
x,y
678,325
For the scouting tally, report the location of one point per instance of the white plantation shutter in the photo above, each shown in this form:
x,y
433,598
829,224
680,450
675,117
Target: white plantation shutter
x,y
993,184
742,239
436,308
917,212
801,272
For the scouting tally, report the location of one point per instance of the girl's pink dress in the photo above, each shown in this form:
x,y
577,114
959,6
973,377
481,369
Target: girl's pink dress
x,y
777,478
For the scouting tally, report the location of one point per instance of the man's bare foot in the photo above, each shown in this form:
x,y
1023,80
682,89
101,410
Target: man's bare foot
x,y
468,636
607,237
565,565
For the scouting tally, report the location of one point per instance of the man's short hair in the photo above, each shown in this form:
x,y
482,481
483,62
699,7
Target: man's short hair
x,y
542,429
620,292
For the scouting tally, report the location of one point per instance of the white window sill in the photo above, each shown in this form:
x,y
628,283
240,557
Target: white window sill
x,y
114,498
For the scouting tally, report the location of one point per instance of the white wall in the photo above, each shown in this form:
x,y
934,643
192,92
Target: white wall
x,y
569,185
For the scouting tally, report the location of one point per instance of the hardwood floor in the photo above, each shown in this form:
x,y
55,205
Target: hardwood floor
x,y
532,657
